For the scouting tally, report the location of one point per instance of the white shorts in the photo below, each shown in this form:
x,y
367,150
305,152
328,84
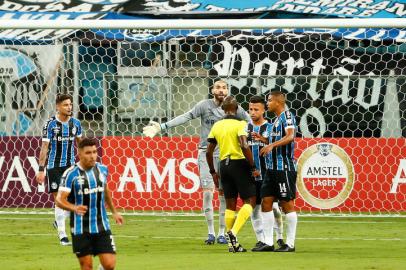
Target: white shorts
x,y
206,180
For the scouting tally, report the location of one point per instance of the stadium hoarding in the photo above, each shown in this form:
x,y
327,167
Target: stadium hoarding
x,y
161,174
348,8
153,174
18,187
325,82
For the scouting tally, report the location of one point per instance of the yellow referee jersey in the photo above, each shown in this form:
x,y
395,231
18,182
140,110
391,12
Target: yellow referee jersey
x,y
225,133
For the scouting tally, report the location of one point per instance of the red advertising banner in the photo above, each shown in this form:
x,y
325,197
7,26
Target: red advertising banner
x,y
338,175
18,166
153,174
161,174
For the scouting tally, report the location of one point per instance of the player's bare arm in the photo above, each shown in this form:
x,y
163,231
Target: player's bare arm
x,y
109,201
62,202
246,150
209,158
78,139
288,138
40,177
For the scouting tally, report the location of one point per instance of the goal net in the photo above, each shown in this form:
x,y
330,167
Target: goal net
x,y
345,85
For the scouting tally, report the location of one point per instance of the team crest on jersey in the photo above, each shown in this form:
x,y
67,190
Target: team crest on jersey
x,y
81,180
265,134
56,130
276,123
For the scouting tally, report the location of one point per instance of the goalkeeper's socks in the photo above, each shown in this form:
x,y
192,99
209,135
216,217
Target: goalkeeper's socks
x,y
268,220
229,218
208,210
291,223
222,210
242,216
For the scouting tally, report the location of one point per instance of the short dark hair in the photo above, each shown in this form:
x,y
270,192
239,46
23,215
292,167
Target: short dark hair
x,y
277,93
258,99
62,97
230,104
87,142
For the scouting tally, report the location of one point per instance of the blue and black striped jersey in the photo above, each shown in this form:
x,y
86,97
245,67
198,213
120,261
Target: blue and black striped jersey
x,y
256,146
282,157
61,137
87,188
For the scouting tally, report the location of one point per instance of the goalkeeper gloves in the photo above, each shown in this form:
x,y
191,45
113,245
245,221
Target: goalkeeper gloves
x,y
152,129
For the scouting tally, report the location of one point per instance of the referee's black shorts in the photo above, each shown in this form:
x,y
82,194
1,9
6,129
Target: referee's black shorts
x,y
236,179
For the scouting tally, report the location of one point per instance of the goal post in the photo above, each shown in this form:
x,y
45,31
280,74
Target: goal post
x,y
345,80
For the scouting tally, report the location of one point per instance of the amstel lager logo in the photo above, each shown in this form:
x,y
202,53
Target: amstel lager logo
x,y
325,175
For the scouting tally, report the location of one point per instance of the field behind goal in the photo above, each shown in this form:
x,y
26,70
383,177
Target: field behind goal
x,y
170,242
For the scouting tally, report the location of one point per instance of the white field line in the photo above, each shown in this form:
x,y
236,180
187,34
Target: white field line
x,y
201,220
198,238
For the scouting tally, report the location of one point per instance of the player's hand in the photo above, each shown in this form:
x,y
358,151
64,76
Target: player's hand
x,y
152,129
40,177
80,210
257,137
255,173
216,179
118,218
266,150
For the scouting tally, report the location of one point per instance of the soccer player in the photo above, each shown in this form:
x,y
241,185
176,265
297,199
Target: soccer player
x,y
257,138
237,169
58,152
84,192
280,179
209,111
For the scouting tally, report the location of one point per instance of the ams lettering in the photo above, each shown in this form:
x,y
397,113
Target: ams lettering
x,y
131,175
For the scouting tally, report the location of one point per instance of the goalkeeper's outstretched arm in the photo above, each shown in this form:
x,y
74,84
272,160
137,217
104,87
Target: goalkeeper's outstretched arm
x,y
155,128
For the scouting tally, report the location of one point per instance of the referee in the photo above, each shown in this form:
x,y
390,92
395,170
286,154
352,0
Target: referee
x,y
236,169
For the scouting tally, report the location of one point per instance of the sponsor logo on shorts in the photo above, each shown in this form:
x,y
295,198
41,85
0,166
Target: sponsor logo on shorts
x,y
325,175
54,185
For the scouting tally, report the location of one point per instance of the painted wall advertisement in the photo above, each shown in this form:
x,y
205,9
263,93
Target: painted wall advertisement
x,y
334,175
324,81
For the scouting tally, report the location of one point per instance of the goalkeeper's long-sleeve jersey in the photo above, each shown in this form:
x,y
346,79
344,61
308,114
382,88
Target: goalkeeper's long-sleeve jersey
x,y
209,113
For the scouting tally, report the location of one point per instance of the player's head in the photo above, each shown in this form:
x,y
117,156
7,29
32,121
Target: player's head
x,y
219,90
276,101
64,104
230,105
87,152
257,107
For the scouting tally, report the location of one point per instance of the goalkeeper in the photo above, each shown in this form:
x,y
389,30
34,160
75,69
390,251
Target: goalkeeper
x,y
209,111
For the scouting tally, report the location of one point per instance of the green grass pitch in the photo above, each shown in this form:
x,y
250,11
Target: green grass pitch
x,y
167,242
